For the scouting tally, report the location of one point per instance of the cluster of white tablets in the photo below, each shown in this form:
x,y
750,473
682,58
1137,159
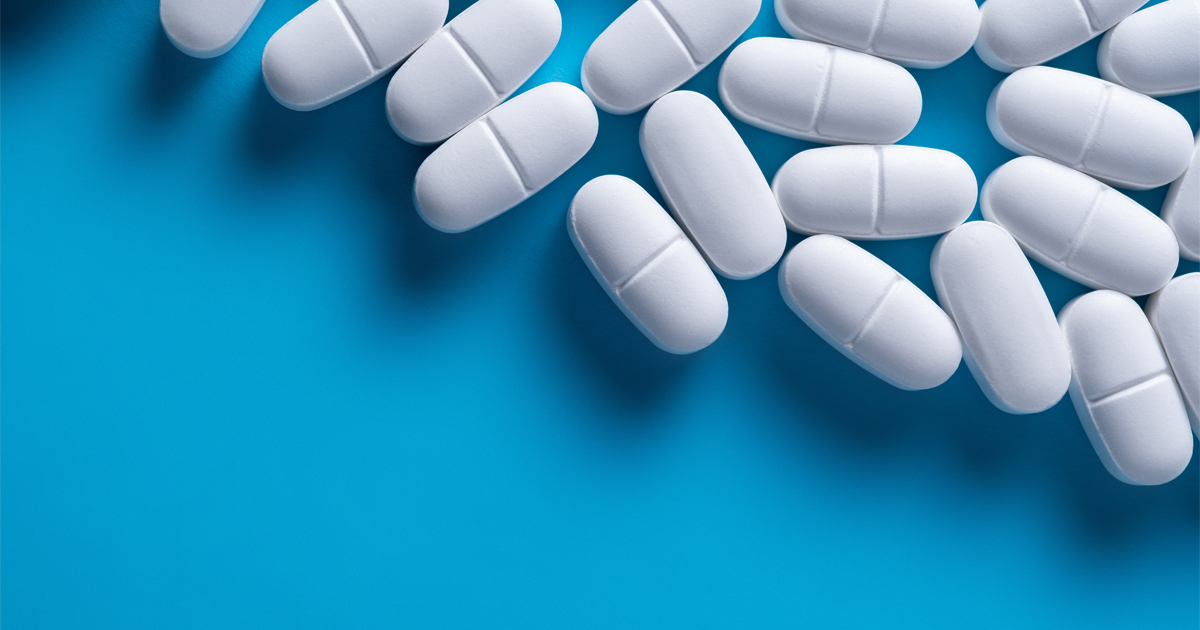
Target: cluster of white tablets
x,y
1133,374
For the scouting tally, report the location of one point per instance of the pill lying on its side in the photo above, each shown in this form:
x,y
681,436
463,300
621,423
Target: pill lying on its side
x,y
657,45
1175,314
1155,51
818,92
712,185
206,28
1018,33
505,157
912,33
870,313
336,47
1124,391
1181,209
875,192
647,265
1011,341
470,66
1115,134
1080,227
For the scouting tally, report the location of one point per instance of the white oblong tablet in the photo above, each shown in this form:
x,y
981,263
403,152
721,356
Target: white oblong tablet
x,y
1018,33
470,66
505,157
647,265
818,92
1155,51
875,192
1124,391
657,45
1116,135
336,47
1080,227
206,28
870,313
913,33
1181,209
1175,314
712,185
1011,341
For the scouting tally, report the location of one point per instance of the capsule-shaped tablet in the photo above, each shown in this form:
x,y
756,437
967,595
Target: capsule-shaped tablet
x,y
1079,227
1174,312
1181,209
657,45
1124,391
337,47
1112,133
712,185
206,28
912,33
870,313
818,92
505,157
1155,51
1018,33
647,265
470,66
875,192
1011,341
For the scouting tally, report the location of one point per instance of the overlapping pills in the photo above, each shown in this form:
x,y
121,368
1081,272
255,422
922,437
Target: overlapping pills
x,y
912,33
1124,390
1018,33
1174,312
1181,208
1154,51
206,28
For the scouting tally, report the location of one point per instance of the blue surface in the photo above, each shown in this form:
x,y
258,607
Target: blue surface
x,y
245,386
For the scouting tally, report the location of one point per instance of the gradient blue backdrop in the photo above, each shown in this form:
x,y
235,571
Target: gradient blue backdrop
x,y
245,386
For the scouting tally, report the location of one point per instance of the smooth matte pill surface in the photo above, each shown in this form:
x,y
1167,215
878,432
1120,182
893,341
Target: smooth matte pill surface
x,y
470,66
913,33
1175,314
818,92
657,45
206,28
505,157
336,47
875,192
1011,340
1124,138
647,265
712,185
1018,33
870,313
1155,51
1080,227
1181,209
1124,391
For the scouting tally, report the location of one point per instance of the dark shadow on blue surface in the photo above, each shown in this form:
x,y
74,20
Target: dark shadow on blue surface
x,y
22,21
172,77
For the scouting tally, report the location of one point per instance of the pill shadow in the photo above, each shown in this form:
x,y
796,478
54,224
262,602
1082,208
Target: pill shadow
x,y
24,21
172,77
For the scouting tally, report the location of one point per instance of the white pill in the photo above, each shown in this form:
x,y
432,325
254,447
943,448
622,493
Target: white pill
x,y
206,28
1018,33
1181,209
1175,314
1124,391
657,45
647,265
470,66
1155,51
1112,133
712,185
819,93
870,313
336,47
875,192
505,157
1011,341
1079,227
913,33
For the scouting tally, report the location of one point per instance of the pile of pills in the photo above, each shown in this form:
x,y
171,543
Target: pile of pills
x,y
1133,374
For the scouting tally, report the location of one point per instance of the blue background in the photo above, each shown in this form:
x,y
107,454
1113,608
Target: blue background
x,y
245,386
